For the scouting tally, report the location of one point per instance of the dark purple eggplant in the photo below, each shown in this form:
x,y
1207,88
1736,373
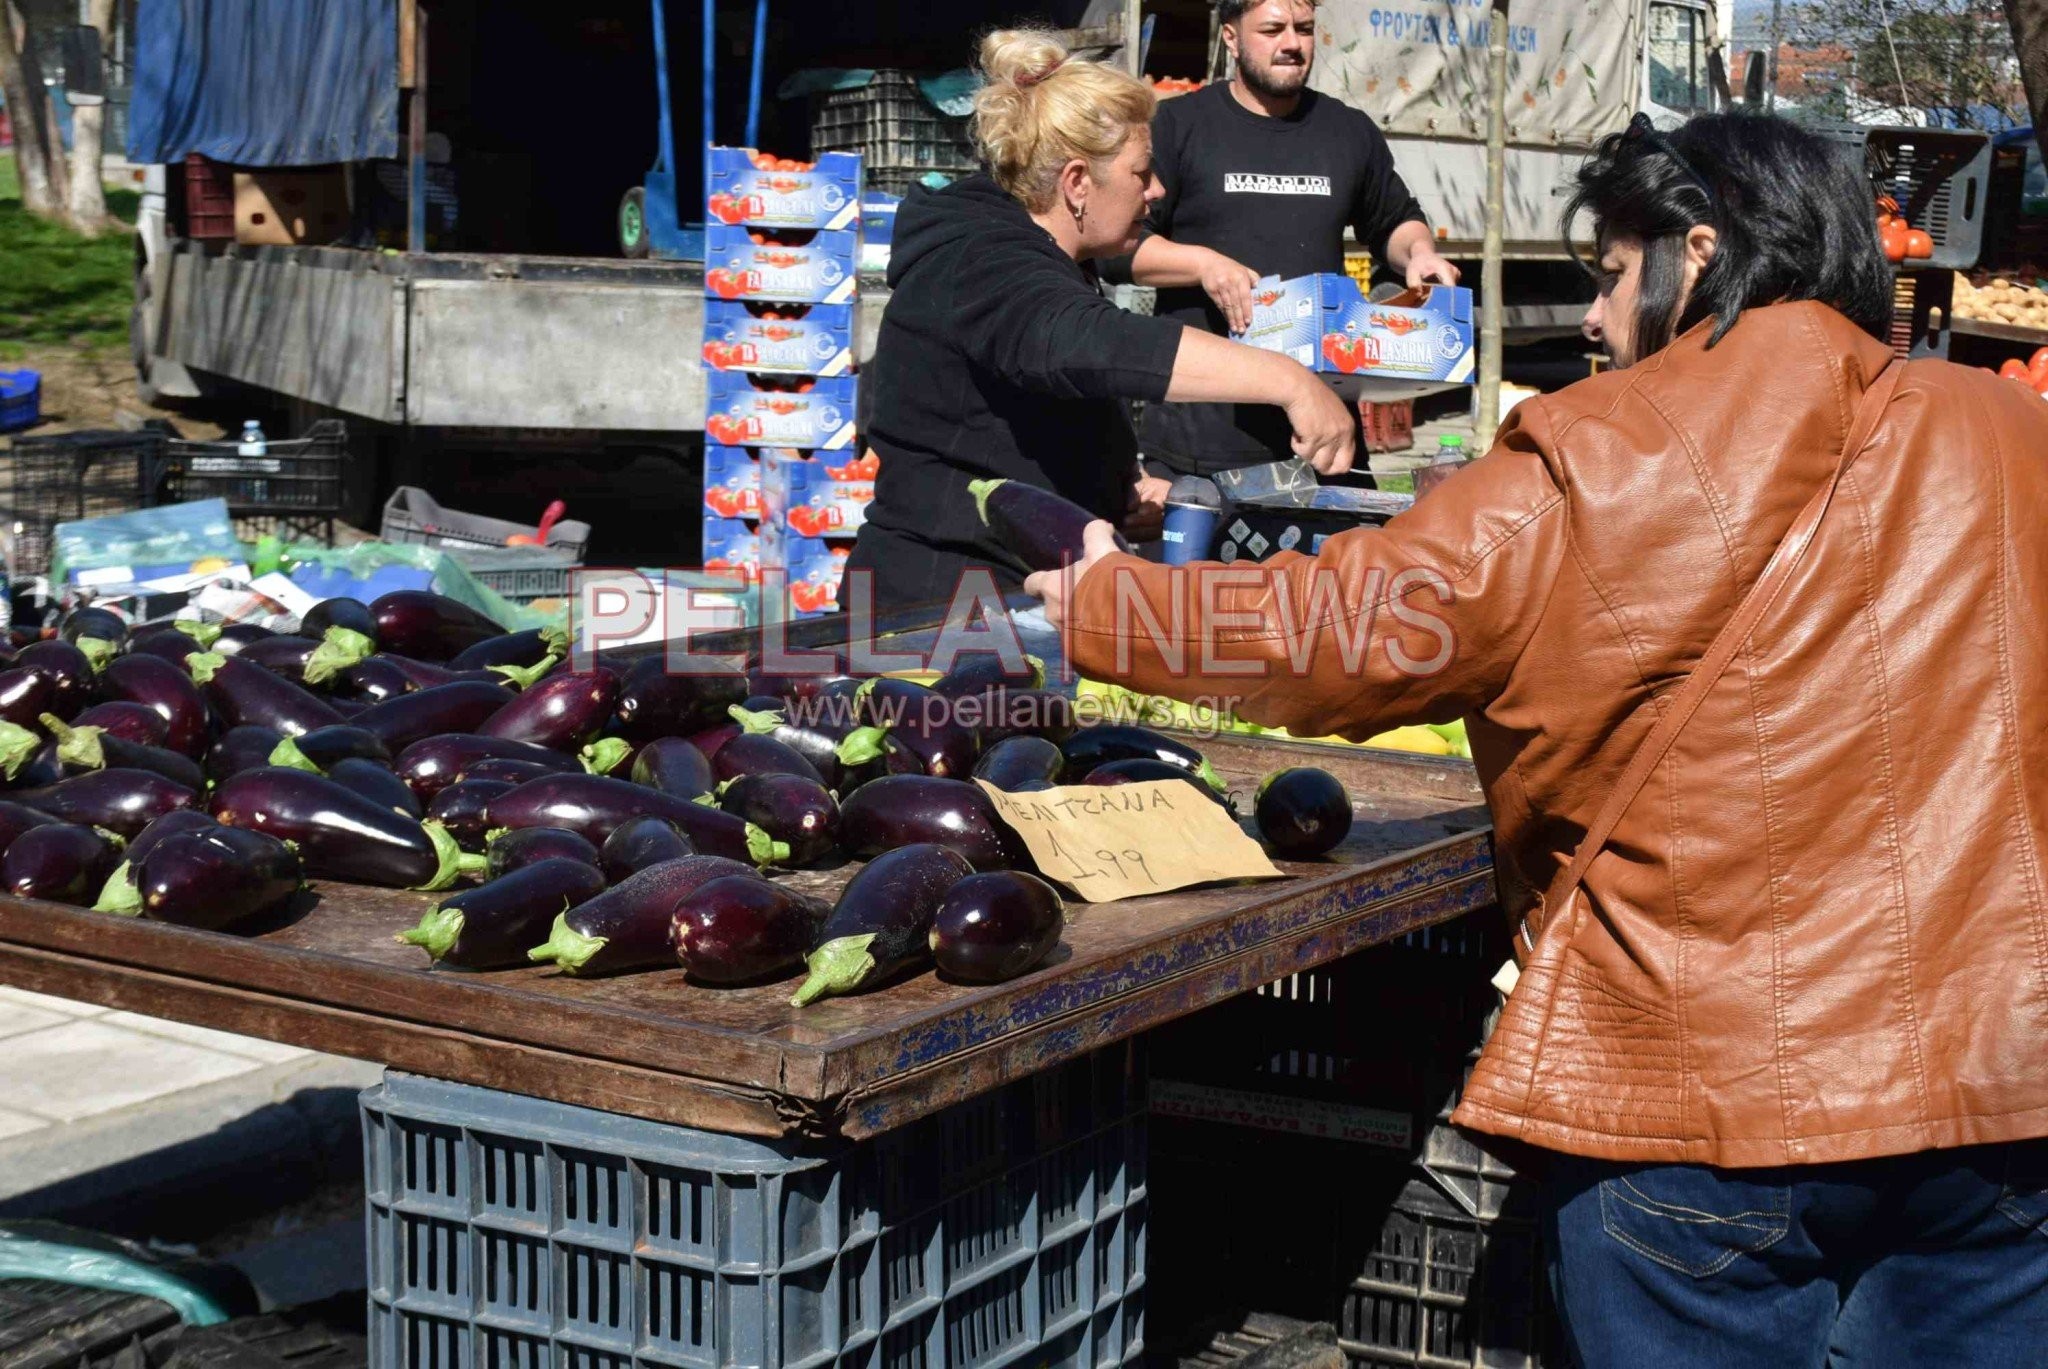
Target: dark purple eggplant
x,y
816,739
808,684
377,783
122,801
627,926
461,808
638,843
656,703
1038,527
426,674
711,739
756,753
216,878
170,643
740,929
325,747
81,749
985,670
1004,713
509,851
562,712
868,754
673,766
61,862
1302,812
166,688
1093,746
905,810
131,722
460,707
243,692
594,805
16,818
19,747
924,723
509,770
100,633
375,680
1021,764
527,648
428,626
760,703
346,706
241,748
433,763
494,925
25,697
284,655
1144,770
883,919
340,834
790,808
119,895
350,615
234,636
65,669
996,926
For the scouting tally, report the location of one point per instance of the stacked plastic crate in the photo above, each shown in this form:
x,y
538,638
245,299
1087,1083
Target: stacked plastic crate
x,y
785,484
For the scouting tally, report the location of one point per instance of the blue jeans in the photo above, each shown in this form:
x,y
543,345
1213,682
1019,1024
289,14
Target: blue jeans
x,y
1934,1259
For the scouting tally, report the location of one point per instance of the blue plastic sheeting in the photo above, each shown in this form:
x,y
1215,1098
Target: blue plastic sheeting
x,y
265,82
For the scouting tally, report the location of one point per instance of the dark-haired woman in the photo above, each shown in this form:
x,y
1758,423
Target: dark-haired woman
x,y
1751,639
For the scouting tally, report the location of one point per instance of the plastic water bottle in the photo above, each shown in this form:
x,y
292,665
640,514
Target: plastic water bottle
x,y
254,444
1450,454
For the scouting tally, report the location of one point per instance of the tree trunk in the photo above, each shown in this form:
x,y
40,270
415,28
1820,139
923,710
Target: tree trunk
x,y
2029,20
88,197
31,142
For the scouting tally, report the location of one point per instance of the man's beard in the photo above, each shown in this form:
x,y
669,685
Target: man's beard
x,y
1274,81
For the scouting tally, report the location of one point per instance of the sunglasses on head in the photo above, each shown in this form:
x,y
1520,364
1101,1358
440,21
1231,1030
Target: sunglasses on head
x,y
1642,133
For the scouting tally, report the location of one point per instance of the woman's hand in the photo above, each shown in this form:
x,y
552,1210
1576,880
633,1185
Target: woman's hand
x,y
1324,430
1055,587
1147,513
1229,283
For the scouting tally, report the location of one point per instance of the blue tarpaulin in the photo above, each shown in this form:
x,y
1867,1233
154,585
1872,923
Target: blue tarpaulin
x,y
265,82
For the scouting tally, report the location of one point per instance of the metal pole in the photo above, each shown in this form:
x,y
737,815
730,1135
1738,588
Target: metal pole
x,y
1134,40
1771,66
666,124
416,180
754,80
1487,419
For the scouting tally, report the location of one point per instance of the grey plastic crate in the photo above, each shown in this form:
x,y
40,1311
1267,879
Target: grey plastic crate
x,y
505,1230
413,516
521,574
1940,177
900,135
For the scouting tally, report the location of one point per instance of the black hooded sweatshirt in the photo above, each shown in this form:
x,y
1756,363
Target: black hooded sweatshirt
x,y
998,357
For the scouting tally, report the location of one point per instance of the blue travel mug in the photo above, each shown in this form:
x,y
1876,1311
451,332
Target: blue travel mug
x,y
1194,510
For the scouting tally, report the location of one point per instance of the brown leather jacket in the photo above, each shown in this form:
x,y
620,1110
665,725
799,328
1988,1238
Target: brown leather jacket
x,y
1821,933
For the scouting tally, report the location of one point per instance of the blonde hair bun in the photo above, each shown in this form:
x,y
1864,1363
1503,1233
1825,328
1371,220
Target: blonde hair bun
x,y
1040,107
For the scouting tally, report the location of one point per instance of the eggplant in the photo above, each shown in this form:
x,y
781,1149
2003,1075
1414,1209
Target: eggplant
x,y
996,926
742,928
509,851
460,707
756,753
350,615
340,834
461,808
595,805
924,723
60,862
627,926
131,722
216,878
610,754
325,747
120,800
433,763
20,748
711,739
67,671
377,783
985,670
655,703
428,626
1036,526
869,753
92,748
241,748
816,739
16,818
527,648
168,690
377,679
243,692
494,925
1302,812
119,895
284,655
1144,769
1021,764
424,674
638,843
170,643
506,768
347,636
235,636
883,919
904,810
790,808
1099,745
1004,713
673,766
99,633
26,696
562,712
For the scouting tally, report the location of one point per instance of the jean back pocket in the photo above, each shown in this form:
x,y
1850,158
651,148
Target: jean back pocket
x,y
2024,1197
1693,1219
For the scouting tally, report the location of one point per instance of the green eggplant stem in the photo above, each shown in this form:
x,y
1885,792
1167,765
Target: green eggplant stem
x,y
765,849
119,895
451,856
860,746
78,747
437,933
17,745
340,649
287,754
206,634
98,651
522,677
569,949
756,720
839,966
605,755
554,638
1211,778
202,664
981,490
1037,670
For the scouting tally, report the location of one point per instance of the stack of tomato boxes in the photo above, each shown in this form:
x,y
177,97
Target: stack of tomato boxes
x,y
785,483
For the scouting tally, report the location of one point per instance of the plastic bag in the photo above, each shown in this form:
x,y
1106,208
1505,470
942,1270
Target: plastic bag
x,y
201,1293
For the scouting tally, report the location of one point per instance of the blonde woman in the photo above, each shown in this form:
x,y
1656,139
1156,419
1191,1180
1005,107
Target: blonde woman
x,y
999,357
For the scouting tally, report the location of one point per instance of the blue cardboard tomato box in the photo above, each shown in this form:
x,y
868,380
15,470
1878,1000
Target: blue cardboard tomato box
x,y
807,268
1326,323
783,339
825,193
799,493
738,412
815,568
732,547
732,482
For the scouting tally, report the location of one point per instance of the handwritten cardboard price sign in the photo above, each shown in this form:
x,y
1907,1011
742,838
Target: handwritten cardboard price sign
x,y
1107,842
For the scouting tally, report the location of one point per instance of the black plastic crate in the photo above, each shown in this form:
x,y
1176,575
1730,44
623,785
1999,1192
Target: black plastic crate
x,y
899,134
64,477
1939,177
296,481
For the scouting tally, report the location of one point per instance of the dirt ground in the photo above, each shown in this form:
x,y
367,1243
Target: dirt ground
x,y
95,388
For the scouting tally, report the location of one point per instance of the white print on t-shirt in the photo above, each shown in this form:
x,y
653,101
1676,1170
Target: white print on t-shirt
x,y
1247,183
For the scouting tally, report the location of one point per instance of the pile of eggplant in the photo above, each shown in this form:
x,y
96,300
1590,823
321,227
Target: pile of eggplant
x,y
600,821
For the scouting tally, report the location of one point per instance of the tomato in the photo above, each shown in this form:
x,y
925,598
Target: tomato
x,y
2015,369
1893,239
1919,244
2038,359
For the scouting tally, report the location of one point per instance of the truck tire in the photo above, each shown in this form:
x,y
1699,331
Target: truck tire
x,y
633,224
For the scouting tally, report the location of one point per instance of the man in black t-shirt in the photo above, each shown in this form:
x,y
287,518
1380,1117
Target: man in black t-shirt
x,y
1262,176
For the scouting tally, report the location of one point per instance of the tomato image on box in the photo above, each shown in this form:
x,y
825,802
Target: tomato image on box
x,y
732,547
1326,323
800,494
805,268
817,416
755,190
785,339
815,569
732,482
